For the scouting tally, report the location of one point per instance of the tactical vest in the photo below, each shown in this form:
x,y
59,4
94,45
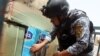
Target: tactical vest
x,y
65,38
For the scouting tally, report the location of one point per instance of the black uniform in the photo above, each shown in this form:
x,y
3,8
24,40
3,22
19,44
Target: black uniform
x,y
75,35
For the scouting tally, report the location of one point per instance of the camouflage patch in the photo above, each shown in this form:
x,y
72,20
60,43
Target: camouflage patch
x,y
78,30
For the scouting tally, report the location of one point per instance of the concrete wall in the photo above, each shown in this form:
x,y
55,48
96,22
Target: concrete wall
x,y
37,4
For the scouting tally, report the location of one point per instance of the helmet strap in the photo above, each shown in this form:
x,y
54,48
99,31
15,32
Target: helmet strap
x,y
59,19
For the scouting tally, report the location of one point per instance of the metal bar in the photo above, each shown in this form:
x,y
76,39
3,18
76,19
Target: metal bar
x,y
98,49
16,42
97,33
16,23
97,27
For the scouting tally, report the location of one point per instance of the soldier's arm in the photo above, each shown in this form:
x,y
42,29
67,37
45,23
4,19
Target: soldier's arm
x,y
81,30
37,47
48,38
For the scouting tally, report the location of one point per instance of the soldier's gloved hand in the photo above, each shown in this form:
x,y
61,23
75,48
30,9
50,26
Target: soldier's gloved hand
x,y
62,53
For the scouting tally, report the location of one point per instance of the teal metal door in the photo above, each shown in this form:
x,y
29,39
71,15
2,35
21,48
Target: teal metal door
x,y
12,40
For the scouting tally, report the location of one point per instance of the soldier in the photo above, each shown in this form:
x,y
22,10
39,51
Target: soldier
x,y
72,28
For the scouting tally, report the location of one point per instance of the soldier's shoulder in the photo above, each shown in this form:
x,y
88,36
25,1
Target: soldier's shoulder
x,y
76,12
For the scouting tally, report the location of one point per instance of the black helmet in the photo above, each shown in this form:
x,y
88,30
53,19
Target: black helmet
x,y
55,8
